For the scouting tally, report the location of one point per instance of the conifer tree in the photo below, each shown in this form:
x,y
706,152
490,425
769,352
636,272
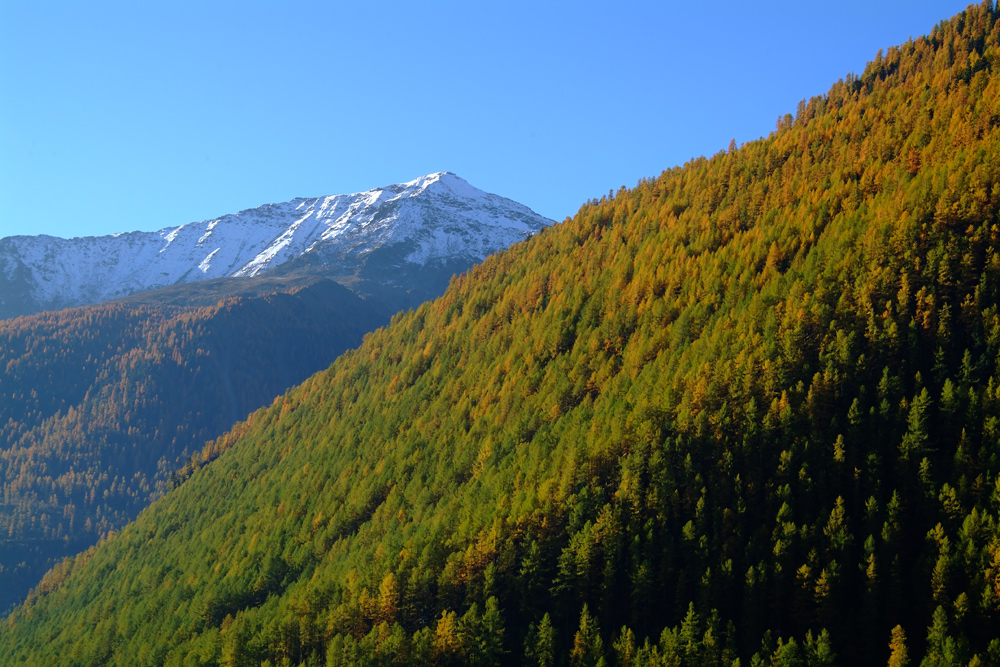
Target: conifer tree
x,y
588,647
898,653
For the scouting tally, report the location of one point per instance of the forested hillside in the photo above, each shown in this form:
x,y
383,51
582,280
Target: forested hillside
x,y
101,406
748,410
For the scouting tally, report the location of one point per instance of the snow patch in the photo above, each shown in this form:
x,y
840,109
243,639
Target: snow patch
x,y
208,231
207,262
171,236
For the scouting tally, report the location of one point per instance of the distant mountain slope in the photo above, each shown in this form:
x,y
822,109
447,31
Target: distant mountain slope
x,y
400,235
746,410
101,405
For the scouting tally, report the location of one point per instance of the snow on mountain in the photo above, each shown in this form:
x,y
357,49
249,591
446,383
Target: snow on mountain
x,y
436,218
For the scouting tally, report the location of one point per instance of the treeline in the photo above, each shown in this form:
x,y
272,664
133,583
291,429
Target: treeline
x,y
102,406
746,411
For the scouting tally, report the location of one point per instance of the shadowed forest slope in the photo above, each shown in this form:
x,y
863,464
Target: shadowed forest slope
x,y
101,406
748,410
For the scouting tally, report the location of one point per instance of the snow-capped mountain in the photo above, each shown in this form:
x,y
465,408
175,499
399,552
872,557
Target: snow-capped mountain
x,y
438,220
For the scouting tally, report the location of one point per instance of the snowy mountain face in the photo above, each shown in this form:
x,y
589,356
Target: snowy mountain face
x,y
438,220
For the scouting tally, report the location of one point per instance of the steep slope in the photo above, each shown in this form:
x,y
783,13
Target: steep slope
x,y
402,235
747,409
62,453
101,405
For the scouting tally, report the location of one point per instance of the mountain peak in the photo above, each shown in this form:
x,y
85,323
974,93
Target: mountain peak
x,y
442,181
424,181
435,218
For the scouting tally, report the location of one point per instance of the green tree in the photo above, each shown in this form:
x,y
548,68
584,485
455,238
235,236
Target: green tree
x,y
588,647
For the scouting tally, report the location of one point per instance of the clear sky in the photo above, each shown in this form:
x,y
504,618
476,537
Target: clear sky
x,y
143,115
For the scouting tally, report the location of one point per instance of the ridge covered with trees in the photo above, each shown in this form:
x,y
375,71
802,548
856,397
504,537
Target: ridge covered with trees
x,y
746,411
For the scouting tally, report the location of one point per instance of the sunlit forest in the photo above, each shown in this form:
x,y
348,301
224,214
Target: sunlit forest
x,y
745,412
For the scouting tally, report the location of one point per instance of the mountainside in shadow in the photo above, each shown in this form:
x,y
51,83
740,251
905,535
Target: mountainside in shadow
x,y
403,242
102,406
748,410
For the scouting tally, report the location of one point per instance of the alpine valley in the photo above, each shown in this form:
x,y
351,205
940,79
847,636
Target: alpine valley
x,y
102,406
744,413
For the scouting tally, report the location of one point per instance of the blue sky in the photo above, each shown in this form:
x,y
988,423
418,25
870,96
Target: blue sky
x,y
144,115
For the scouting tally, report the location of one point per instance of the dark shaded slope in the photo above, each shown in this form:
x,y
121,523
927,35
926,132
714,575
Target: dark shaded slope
x,y
15,287
211,292
382,280
747,409
100,405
